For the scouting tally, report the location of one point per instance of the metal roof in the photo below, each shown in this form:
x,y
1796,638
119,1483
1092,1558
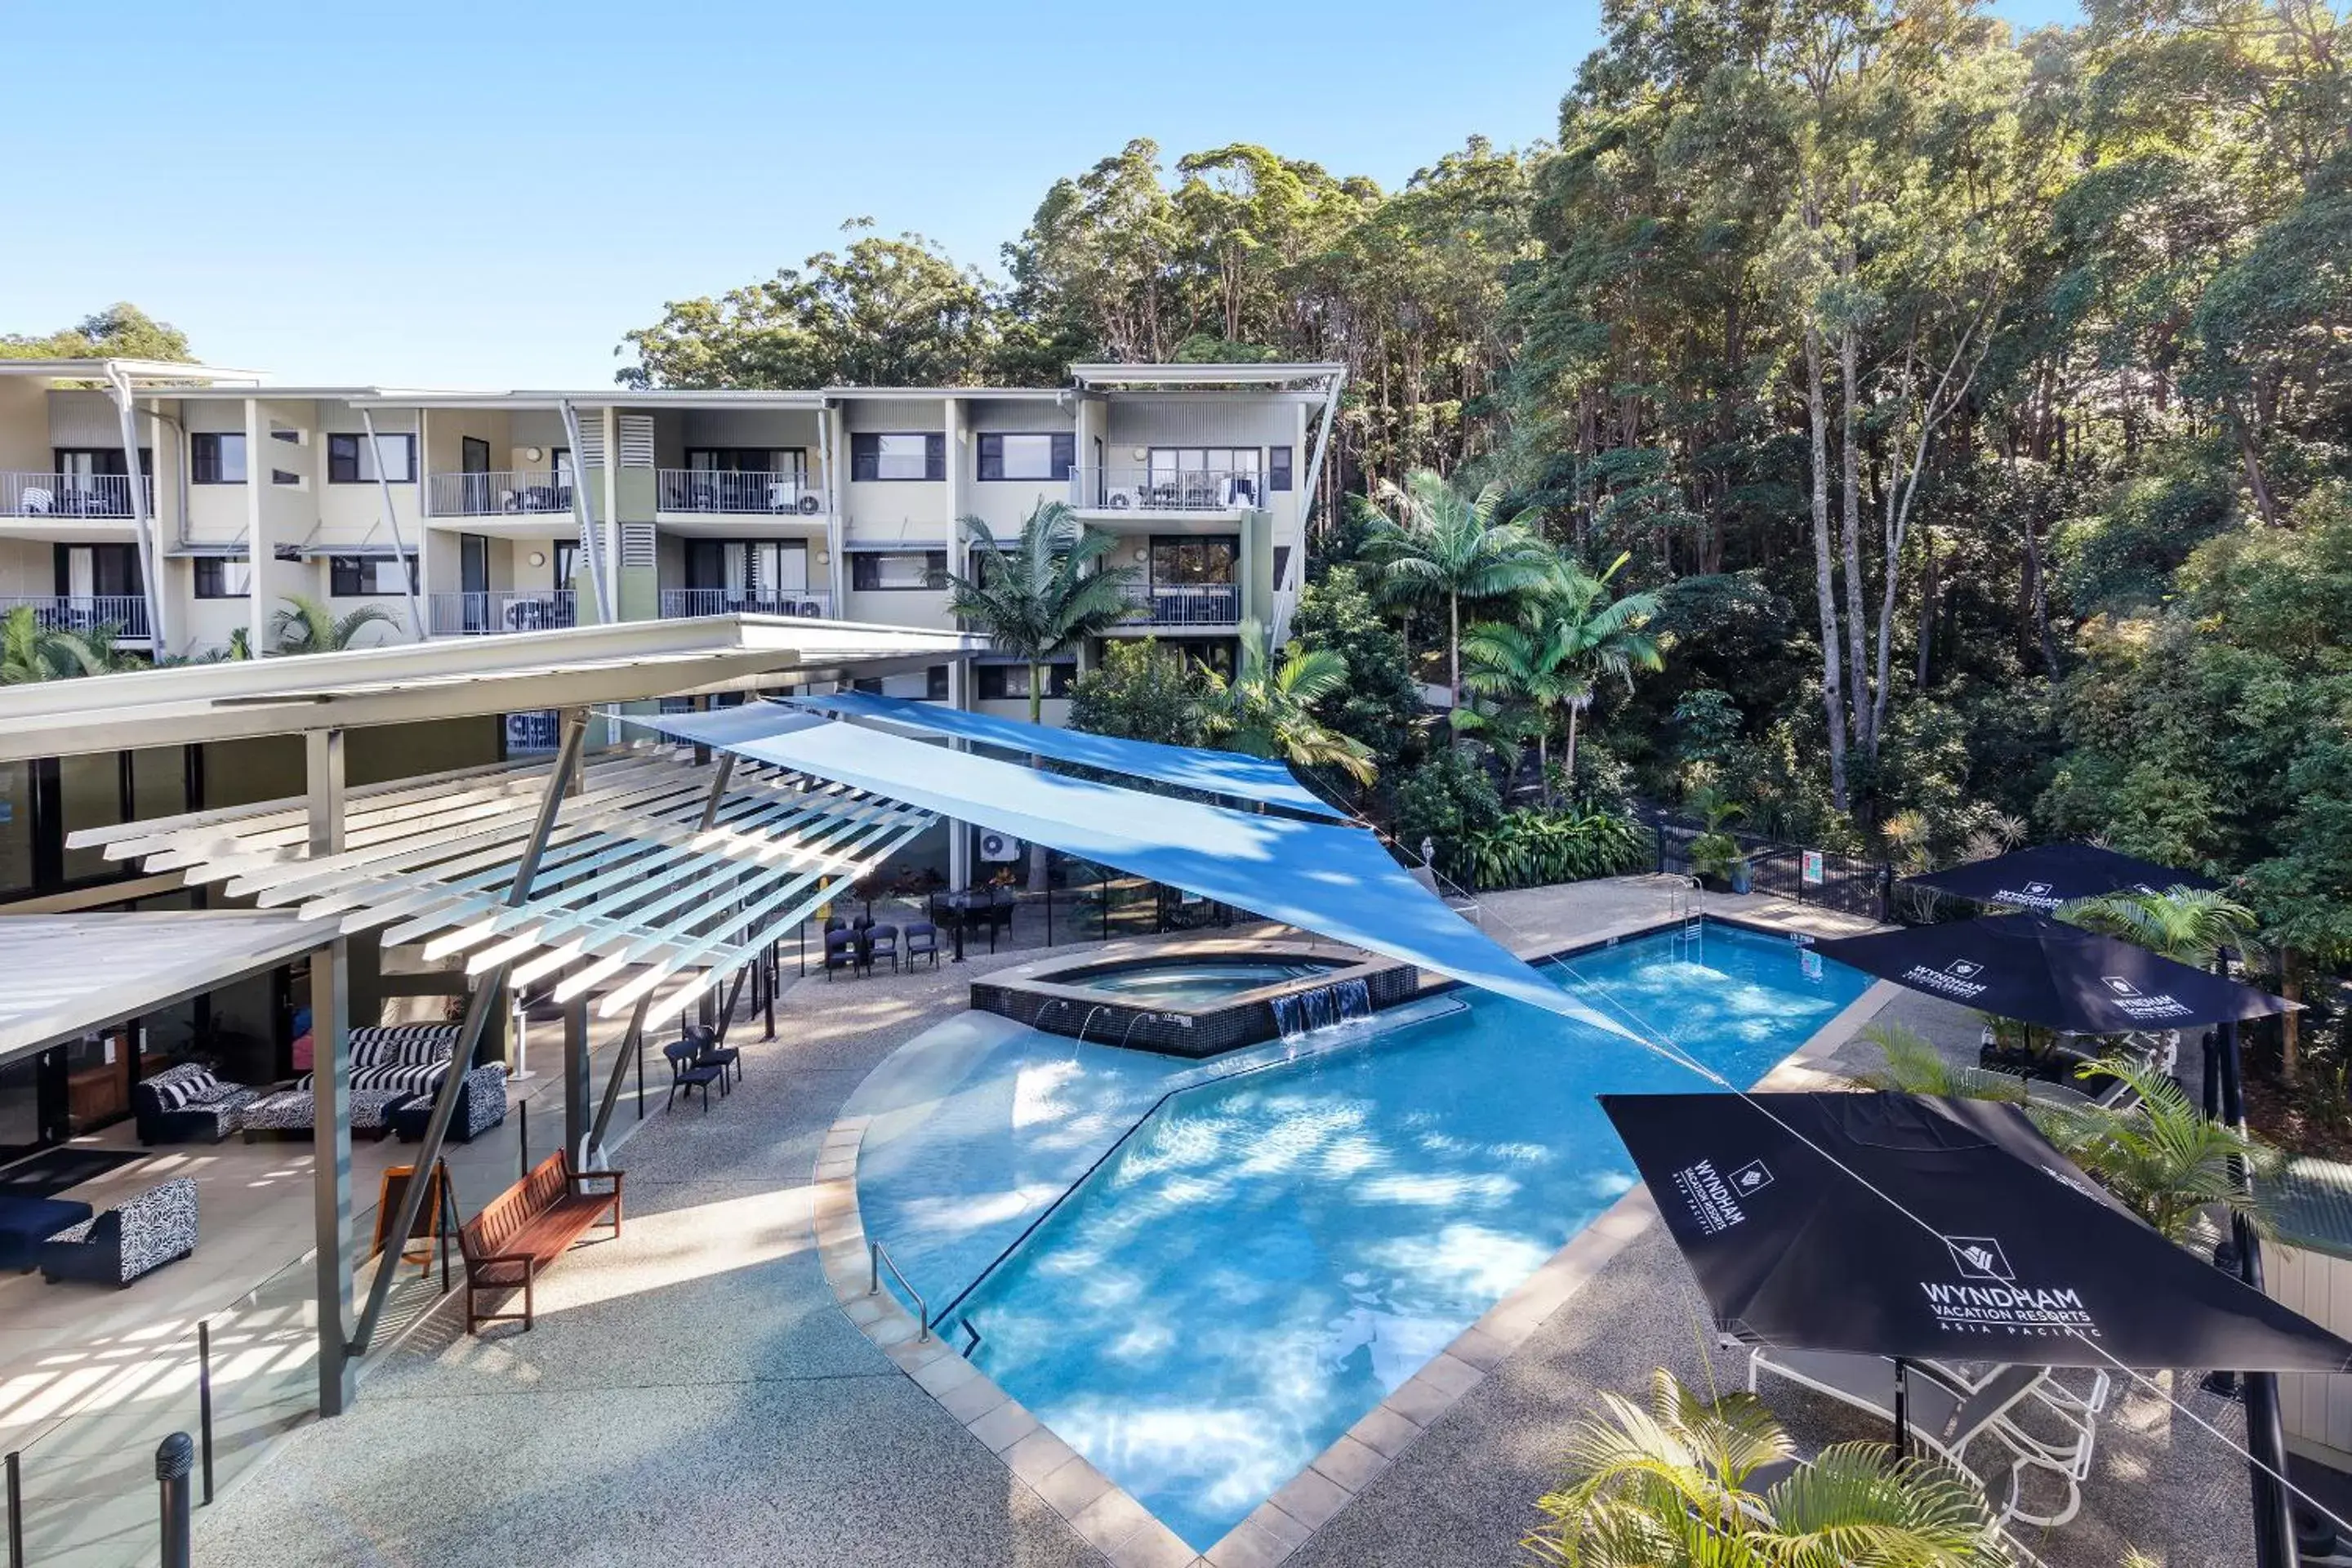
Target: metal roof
x,y
633,894
1204,374
136,369
455,677
68,975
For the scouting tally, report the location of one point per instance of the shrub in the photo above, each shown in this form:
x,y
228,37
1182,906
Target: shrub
x,y
1447,798
1534,849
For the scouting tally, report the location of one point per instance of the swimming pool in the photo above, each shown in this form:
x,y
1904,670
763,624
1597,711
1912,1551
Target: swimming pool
x,y
1197,981
1267,1256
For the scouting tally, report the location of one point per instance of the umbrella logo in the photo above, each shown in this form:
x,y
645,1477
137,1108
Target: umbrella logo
x,y
2038,889
2120,985
1980,1257
1751,1178
1963,969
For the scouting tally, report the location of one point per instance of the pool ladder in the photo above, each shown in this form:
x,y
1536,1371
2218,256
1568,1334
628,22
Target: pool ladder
x,y
877,1258
1686,905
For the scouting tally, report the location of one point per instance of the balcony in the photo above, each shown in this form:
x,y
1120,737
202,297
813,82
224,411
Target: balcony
x,y
71,495
505,492
126,612
714,493
679,603
521,610
1185,605
1165,491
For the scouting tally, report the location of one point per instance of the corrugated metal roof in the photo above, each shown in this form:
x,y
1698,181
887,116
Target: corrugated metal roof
x,y
2314,1201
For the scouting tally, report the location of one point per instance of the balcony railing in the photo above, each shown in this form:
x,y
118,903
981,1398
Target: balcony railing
x,y
1163,489
756,494
519,610
505,492
126,612
1189,605
70,494
681,602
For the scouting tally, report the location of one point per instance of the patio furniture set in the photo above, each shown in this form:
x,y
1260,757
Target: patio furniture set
x,y
699,1057
859,944
67,1239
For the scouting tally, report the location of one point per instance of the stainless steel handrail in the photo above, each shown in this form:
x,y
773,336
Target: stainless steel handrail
x,y
877,1256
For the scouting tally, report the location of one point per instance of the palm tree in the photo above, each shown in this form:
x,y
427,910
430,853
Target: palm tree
x,y
306,626
1570,635
2163,1158
1668,1487
2188,925
1914,1065
1043,595
1532,664
1268,710
1430,543
30,651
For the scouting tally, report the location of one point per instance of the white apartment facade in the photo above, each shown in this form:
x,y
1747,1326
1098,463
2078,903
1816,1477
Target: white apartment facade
x,y
464,513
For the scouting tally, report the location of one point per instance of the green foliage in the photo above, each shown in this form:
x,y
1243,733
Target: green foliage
x,y
306,626
1268,710
1669,1486
1705,723
1435,547
1143,690
1380,704
1045,592
1537,848
1914,1065
2188,925
1446,797
2162,1157
119,332
30,651
2122,557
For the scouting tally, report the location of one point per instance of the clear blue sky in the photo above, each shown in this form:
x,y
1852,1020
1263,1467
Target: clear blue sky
x,y
471,196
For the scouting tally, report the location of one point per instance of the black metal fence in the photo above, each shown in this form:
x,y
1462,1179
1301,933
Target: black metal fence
x,y
1821,878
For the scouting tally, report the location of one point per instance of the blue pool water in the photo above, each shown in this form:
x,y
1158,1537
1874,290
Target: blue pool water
x,y
1268,1254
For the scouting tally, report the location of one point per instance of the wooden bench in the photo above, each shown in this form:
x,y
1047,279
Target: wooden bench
x,y
528,1227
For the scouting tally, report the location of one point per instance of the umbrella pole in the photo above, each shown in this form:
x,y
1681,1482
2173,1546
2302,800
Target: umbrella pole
x,y
2265,1436
1902,1409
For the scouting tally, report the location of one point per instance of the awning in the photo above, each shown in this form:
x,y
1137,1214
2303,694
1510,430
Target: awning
x,y
1188,767
1335,881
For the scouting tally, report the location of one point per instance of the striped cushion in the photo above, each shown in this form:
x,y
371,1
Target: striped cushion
x,y
412,1043
190,1083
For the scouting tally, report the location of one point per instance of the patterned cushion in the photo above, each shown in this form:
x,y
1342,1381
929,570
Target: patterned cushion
x,y
188,1084
402,1043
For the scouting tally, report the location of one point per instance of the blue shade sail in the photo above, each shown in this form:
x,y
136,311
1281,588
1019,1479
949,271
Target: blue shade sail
x,y
1191,767
1335,881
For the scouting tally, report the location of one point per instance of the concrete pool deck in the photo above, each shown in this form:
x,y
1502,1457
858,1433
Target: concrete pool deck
x,y
696,1386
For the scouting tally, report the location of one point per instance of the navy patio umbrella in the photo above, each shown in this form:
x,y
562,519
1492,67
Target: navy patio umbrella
x,y
2049,874
1993,1247
2045,972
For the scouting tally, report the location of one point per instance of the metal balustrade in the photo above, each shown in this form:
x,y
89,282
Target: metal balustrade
x,y
1186,605
681,602
1165,490
516,610
70,494
711,491
126,612
503,492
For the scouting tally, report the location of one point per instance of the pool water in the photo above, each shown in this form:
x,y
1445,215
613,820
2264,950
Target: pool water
x,y
1268,1256
1194,984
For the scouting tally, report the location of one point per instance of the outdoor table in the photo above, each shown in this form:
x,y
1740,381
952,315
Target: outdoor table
x,y
973,902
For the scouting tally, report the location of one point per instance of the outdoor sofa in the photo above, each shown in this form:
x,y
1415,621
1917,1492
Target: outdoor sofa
x,y
392,1068
25,1223
136,1237
188,1104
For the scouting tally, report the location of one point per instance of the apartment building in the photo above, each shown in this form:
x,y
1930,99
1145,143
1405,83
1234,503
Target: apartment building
x,y
461,514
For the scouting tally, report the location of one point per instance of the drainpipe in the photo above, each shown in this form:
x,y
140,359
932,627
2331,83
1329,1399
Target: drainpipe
x,y
151,562
409,567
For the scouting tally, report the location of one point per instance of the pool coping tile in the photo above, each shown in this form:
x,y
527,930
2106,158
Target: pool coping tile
x,y
1104,1513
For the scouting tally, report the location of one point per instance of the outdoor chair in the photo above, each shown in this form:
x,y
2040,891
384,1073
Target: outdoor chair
x,y
922,942
1949,1412
685,1075
135,1238
882,941
709,1052
841,950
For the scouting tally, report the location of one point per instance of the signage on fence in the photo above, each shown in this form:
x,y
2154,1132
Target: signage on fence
x,y
1811,864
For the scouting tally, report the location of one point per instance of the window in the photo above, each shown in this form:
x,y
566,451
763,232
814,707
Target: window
x,y
1027,456
351,459
220,577
1007,681
1189,561
1201,478
916,456
368,576
896,570
935,683
216,459
1277,467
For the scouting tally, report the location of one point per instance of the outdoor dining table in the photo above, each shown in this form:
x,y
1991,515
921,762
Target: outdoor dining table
x,y
972,903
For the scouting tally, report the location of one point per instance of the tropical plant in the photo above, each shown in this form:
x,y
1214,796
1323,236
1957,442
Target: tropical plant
x,y
2188,925
1914,1065
1144,690
1669,1487
1715,852
306,626
2162,1157
30,651
1268,710
1432,543
1535,849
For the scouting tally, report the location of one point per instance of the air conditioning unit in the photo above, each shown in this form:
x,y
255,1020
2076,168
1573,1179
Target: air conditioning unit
x,y
810,609
998,846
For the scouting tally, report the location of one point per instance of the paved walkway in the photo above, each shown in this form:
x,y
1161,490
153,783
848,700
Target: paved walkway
x,y
692,1390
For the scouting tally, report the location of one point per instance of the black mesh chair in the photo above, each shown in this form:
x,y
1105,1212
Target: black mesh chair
x,y
685,1075
922,942
709,1052
882,941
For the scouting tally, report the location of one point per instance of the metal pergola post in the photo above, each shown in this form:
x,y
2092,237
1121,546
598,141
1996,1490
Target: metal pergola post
x,y
151,553
2265,1434
633,1046
330,1087
478,1006
409,569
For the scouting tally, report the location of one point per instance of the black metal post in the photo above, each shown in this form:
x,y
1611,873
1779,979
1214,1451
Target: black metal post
x,y
1659,828
205,1402
768,992
640,1075
2266,1436
1103,884
523,1138
1902,1409
15,1509
175,1457
959,922
1049,912
803,945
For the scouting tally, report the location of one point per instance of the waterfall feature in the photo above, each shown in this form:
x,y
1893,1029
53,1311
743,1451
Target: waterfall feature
x,y
1321,1008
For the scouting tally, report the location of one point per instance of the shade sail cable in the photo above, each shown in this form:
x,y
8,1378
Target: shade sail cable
x,y
1229,773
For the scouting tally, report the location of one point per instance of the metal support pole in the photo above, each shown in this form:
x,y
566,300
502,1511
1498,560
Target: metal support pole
x,y
15,1509
1902,1409
522,1139
331,1083
633,1044
589,544
204,1402
392,522
151,553
175,1456
2265,1437
575,1082
574,728
770,992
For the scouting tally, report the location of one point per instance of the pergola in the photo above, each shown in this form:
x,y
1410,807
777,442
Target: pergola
x,y
654,873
